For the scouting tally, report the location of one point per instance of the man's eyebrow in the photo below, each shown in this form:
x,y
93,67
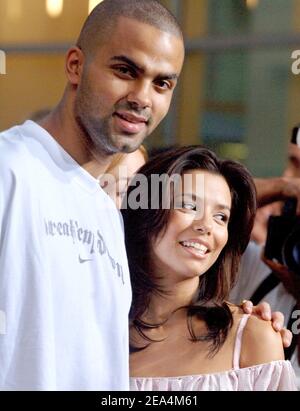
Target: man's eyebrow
x,y
167,77
128,61
133,64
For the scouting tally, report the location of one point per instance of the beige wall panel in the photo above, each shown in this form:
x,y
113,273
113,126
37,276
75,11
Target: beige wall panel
x,y
32,82
191,86
32,24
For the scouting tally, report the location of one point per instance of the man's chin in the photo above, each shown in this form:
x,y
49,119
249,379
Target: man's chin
x,y
129,144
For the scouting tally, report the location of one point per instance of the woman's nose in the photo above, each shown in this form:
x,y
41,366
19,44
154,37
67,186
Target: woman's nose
x,y
202,225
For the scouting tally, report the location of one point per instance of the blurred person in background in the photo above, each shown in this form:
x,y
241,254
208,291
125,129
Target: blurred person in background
x,y
291,173
269,280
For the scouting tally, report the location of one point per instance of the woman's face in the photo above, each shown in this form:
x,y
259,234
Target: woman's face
x,y
197,229
122,174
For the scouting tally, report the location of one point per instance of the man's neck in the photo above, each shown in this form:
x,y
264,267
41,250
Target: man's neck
x,y
61,124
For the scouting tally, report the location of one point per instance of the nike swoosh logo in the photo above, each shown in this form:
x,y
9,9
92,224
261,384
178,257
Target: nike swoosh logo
x,y
82,261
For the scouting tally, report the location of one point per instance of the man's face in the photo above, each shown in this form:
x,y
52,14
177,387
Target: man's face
x,y
126,88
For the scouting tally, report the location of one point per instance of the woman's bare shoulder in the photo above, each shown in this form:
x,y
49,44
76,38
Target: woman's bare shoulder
x,y
260,343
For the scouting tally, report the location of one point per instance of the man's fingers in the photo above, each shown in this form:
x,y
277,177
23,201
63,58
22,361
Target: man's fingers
x,y
286,336
263,310
277,320
247,306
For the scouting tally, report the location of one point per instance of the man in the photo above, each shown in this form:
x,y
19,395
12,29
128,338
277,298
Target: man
x,y
64,281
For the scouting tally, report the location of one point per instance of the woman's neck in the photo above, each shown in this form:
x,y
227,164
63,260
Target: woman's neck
x,y
172,298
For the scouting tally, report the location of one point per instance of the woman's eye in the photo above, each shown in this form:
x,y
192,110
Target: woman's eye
x,y
222,217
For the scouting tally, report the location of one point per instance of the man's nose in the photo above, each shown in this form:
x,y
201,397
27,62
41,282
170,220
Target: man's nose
x,y
140,95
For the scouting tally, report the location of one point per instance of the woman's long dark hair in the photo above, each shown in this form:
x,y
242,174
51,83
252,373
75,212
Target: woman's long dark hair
x,y
144,224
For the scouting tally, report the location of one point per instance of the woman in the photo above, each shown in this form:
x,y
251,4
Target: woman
x,y
118,175
183,261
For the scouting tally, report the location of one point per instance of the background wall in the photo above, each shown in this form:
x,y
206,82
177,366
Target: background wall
x,y
237,93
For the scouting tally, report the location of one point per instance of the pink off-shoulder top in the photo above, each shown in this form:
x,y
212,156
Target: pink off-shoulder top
x,y
273,376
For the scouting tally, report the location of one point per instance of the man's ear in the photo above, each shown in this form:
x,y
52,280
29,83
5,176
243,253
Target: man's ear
x,y
74,65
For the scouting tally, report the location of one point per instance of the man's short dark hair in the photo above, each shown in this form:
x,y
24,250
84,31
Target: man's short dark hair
x,y
103,19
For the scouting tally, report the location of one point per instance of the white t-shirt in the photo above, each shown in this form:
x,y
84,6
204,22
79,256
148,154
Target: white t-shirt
x,y
252,273
64,282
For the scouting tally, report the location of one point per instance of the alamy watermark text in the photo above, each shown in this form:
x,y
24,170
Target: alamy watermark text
x,y
2,62
2,323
